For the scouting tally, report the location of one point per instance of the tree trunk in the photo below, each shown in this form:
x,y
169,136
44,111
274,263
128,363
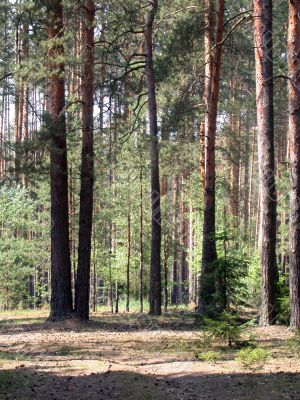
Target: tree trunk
x,y
165,272
141,272
87,169
265,125
61,295
246,182
294,133
209,251
191,297
128,261
174,274
235,155
155,272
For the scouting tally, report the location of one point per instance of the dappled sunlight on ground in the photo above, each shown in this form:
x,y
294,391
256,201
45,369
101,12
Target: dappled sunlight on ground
x,y
136,357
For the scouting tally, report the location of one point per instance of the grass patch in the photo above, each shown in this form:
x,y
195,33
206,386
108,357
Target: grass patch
x,y
293,347
10,380
209,356
64,351
20,321
10,356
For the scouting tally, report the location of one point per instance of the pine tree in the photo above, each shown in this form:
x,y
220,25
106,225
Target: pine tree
x,y
155,276
61,296
263,16
294,132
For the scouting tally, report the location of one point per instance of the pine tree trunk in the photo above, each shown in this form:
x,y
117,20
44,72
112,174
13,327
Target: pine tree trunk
x,y
61,295
155,271
209,251
128,261
246,183
265,124
175,283
294,133
141,267
235,156
165,273
191,297
87,169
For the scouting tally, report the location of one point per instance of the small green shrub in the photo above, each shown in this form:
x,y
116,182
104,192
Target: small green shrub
x,y
253,359
283,301
226,328
293,347
209,356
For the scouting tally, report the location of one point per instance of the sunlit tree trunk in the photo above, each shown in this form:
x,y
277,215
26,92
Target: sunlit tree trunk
x,y
209,252
87,169
128,260
155,271
61,295
265,130
294,132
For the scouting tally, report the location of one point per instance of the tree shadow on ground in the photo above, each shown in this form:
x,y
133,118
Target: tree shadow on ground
x,y
42,384
105,322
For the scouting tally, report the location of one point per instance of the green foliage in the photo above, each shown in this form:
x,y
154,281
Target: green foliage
x,y
283,300
253,359
9,380
252,281
6,355
19,261
293,345
225,328
209,356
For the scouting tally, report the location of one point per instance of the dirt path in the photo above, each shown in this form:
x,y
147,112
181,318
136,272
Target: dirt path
x,y
135,357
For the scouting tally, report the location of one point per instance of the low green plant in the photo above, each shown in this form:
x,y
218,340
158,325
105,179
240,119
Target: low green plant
x,y
283,300
293,346
64,351
6,355
209,356
253,359
9,380
226,328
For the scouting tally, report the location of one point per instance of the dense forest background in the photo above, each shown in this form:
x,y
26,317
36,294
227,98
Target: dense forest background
x,y
104,61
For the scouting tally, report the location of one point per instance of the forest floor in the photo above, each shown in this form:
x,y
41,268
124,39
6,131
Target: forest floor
x,y
135,357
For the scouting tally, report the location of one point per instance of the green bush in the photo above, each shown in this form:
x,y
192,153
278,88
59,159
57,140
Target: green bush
x,y
226,328
209,356
283,300
253,359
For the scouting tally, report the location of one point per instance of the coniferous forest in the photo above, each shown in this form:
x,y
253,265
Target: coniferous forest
x,y
149,199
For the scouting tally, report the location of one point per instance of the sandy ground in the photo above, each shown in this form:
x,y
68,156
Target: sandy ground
x,y
135,357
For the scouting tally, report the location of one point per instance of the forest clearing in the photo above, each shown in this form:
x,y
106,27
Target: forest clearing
x,y
150,199
137,357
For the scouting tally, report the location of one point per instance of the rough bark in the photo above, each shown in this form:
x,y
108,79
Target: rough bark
x,y
235,155
87,169
61,295
209,252
174,275
128,260
155,271
265,131
141,247
294,133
